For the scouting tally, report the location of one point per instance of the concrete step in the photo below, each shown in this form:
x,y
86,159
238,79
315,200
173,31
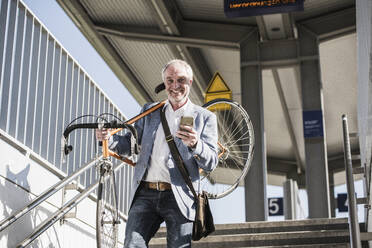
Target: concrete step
x,y
276,226
290,233
304,246
281,239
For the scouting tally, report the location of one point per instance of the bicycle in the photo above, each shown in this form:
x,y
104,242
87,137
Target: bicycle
x,y
235,144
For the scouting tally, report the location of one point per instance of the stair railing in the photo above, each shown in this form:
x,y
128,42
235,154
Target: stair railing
x,y
355,241
65,208
56,216
44,196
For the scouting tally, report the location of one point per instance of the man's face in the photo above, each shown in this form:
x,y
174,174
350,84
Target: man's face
x,y
177,83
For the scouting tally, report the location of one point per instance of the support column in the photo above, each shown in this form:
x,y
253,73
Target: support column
x,y
315,146
332,194
290,203
364,39
252,100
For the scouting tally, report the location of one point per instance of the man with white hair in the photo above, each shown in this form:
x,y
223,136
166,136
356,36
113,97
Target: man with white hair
x,y
159,192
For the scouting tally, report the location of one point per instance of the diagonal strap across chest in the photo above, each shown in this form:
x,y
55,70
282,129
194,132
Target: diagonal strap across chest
x,y
176,154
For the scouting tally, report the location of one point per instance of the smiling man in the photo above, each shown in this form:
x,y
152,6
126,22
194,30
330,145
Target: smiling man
x,y
159,192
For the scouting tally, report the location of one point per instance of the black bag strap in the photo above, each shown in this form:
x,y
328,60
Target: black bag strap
x,y
176,154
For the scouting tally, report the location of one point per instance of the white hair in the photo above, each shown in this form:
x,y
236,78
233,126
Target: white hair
x,y
181,62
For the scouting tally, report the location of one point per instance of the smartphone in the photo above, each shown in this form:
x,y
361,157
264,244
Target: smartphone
x,y
187,121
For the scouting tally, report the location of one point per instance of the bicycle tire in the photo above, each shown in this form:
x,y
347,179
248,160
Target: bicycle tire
x,y
107,212
236,147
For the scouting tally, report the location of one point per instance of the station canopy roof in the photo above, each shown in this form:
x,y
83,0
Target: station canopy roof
x,y
136,38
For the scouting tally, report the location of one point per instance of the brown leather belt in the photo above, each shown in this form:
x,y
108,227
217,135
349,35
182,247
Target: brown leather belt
x,y
159,186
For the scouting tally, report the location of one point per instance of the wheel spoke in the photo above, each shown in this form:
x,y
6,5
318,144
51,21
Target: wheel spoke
x,y
235,134
107,214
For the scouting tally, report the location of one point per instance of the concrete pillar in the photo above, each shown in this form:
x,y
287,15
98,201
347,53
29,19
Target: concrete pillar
x,y
364,39
315,145
332,194
290,203
252,100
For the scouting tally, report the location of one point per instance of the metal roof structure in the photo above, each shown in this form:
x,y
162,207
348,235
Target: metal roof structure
x,y
136,38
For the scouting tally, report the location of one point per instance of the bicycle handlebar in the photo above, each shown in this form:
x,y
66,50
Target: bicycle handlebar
x,y
114,125
109,125
95,125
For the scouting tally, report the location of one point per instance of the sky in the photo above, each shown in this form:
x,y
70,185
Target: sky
x,y
66,33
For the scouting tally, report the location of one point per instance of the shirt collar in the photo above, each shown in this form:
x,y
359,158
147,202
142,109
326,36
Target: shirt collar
x,y
178,111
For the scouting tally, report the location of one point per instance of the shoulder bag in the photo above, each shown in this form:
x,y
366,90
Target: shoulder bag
x,y
203,223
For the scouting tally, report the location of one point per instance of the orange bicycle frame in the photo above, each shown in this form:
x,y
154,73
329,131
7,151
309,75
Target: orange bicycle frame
x,y
107,152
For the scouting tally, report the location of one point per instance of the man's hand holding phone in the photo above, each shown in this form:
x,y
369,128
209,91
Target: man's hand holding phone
x,y
186,132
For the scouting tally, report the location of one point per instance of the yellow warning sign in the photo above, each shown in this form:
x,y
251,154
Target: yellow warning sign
x,y
217,84
217,88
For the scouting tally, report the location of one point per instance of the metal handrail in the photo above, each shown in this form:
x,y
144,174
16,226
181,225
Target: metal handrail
x,y
45,195
355,241
42,227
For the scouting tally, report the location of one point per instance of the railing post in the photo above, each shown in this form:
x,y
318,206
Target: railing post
x,y
43,226
355,241
44,196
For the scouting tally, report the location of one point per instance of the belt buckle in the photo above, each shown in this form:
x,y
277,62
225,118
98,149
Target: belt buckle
x,y
157,186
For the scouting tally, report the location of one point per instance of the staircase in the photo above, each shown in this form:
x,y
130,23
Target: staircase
x,y
312,233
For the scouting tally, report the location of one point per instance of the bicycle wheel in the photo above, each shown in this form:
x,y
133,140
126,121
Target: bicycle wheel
x,y
235,142
107,218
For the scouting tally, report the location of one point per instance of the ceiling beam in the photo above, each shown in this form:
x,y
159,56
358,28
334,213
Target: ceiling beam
x,y
281,166
288,25
215,31
78,15
335,163
169,18
288,120
284,53
190,33
156,36
332,25
275,26
199,61
286,167
278,53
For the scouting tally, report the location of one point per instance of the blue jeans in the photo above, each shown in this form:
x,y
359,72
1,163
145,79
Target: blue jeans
x,y
149,209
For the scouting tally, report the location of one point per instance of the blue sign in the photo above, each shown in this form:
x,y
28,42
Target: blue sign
x,y
313,123
241,8
342,204
275,206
